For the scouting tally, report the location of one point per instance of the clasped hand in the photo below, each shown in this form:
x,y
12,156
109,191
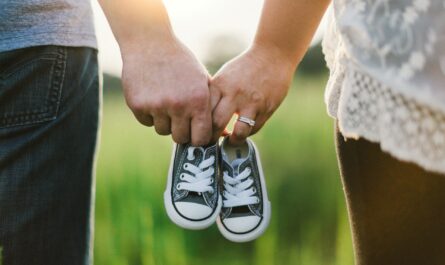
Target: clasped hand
x,y
166,87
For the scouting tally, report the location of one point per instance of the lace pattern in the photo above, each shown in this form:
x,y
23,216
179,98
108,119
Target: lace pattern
x,y
387,76
407,130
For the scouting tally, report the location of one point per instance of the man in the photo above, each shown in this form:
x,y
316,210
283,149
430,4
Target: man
x,y
49,103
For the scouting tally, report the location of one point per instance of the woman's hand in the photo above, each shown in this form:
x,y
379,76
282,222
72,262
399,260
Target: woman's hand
x,y
252,85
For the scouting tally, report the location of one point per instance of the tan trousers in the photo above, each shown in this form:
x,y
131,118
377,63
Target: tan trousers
x,y
396,209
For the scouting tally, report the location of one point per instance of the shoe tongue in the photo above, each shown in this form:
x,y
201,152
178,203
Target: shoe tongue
x,y
235,163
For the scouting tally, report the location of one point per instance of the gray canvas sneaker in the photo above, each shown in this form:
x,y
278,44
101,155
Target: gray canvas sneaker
x,y
246,209
192,197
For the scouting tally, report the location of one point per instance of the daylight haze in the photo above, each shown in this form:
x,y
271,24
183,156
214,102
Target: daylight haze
x,y
196,22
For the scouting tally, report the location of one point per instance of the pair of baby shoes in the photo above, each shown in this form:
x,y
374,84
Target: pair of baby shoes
x,y
222,183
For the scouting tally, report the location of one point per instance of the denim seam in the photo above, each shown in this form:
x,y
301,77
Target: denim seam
x,y
10,71
50,111
62,56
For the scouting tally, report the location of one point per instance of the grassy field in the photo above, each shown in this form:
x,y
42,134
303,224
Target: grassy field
x,y
309,222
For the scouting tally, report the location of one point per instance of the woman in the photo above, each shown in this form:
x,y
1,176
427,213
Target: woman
x,y
387,62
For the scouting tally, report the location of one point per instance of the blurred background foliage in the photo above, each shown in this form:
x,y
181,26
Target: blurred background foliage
x,y
309,220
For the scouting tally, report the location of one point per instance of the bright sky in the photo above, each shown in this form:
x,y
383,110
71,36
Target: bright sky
x,y
196,23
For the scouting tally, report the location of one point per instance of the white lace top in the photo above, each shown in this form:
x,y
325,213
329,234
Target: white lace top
x,y
387,81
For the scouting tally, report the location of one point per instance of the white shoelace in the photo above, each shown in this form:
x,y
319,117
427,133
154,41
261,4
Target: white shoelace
x,y
237,191
199,179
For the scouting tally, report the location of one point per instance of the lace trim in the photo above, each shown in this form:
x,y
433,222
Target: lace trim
x,y
404,128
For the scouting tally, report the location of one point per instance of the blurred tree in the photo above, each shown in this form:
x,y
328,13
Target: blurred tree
x,y
111,84
221,49
313,62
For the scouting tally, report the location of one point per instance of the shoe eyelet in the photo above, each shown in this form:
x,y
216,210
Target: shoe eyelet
x,y
211,180
178,186
253,190
181,177
257,200
185,166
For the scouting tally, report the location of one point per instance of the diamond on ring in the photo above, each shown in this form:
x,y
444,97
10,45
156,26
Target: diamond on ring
x,y
246,120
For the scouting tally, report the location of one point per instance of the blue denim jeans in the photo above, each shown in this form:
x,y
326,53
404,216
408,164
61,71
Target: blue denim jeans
x,y
49,113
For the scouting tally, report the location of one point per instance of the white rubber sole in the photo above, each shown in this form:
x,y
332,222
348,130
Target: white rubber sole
x,y
267,211
174,215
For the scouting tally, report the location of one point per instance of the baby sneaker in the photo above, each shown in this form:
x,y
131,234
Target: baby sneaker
x,y
192,197
246,209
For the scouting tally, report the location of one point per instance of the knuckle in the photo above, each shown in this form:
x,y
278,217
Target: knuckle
x,y
155,104
256,97
200,95
237,90
136,104
176,103
200,101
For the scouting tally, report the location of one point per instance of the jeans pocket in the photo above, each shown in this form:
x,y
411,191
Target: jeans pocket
x,y
30,85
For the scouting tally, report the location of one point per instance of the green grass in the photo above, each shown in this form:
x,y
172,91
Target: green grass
x,y
309,222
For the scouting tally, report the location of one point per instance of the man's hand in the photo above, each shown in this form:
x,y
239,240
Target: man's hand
x,y
167,87
252,85
164,84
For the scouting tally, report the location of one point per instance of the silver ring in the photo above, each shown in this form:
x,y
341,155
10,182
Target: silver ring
x,y
246,120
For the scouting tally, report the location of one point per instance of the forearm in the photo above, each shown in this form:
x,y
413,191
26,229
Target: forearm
x,y
287,27
137,21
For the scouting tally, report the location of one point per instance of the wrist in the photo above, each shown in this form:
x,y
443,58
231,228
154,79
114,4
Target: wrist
x,y
146,41
273,55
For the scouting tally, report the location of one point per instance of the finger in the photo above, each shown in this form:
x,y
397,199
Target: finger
x,y
162,124
221,116
225,132
241,129
215,96
259,123
146,120
201,128
180,128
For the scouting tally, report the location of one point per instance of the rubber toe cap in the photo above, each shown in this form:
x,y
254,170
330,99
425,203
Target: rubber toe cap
x,y
194,211
241,224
